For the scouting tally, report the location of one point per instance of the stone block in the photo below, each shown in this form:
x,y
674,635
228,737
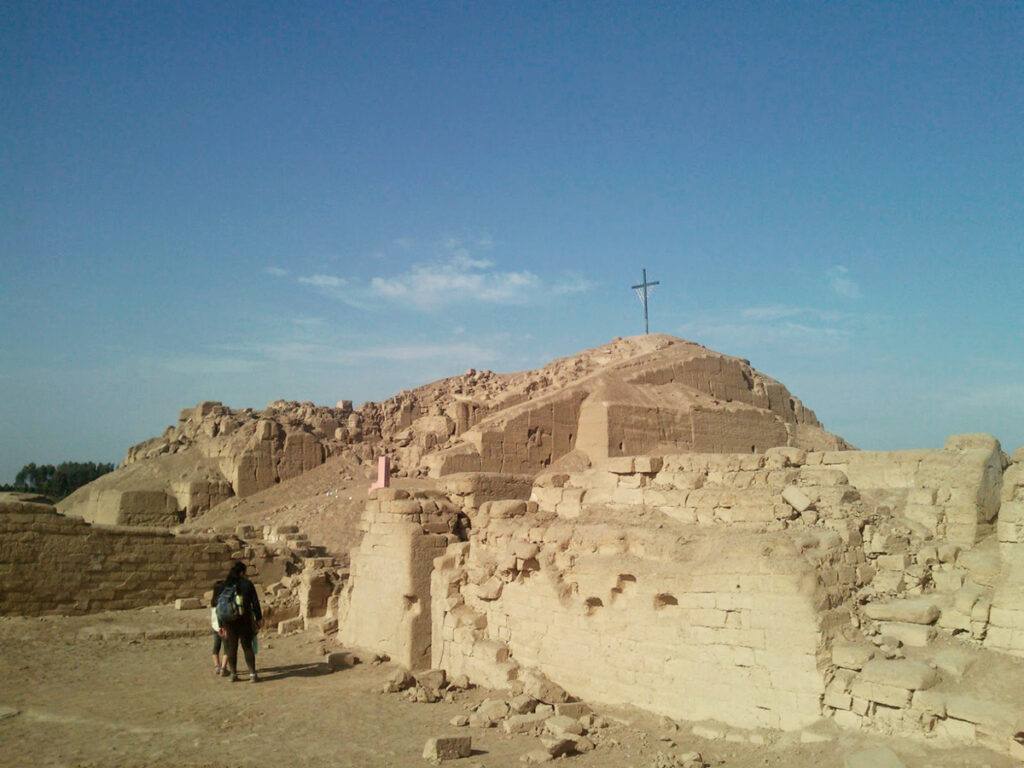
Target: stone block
x,y
559,746
432,679
892,562
187,604
341,660
539,687
931,702
915,635
576,709
900,673
838,700
980,711
522,704
619,465
296,624
922,610
851,656
523,723
562,725
796,498
648,465
448,748
848,719
889,695
536,756
493,709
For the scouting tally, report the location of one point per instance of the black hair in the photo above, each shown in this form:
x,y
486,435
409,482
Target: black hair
x,y
237,571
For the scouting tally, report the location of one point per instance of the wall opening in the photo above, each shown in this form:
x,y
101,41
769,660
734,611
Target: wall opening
x,y
664,600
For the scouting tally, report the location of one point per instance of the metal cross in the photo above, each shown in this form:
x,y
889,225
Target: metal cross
x,y
641,292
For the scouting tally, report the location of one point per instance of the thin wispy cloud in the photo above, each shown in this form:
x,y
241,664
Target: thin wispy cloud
x,y
458,279
275,272
207,365
323,281
806,329
843,285
462,273
774,312
779,311
570,285
293,351
732,337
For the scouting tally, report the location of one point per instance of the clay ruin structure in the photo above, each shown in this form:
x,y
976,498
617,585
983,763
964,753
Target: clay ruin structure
x,y
648,523
642,394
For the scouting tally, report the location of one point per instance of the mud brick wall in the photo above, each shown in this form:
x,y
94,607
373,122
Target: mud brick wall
x,y
52,564
734,627
386,606
1006,628
953,493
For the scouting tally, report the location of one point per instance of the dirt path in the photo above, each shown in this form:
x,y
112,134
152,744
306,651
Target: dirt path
x,y
135,688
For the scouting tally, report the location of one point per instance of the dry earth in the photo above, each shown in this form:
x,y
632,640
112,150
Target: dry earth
x,y
136,688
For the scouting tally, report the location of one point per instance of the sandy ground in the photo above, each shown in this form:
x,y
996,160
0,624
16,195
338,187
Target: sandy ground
x,y
136,688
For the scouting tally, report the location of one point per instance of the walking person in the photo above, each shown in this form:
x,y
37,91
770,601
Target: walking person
x,y
239,617
220,660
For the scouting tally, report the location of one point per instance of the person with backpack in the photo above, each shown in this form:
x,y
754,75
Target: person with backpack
x,y
239,617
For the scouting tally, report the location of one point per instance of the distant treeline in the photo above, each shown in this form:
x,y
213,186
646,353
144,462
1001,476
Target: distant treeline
x,y
56,482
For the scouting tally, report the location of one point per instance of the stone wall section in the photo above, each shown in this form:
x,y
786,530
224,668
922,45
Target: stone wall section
x,y
760,590
621,616
52,564
953,494
386,607
1006,628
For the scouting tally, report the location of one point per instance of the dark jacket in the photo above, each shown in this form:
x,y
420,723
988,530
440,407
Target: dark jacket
x,y
250,600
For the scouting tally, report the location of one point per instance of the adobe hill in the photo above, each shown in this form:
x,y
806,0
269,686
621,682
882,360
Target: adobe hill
x,y
652,394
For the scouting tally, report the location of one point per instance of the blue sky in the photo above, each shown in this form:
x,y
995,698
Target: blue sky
x,y
323,201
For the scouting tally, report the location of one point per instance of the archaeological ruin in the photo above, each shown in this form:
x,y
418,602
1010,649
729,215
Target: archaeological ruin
x,y
648,523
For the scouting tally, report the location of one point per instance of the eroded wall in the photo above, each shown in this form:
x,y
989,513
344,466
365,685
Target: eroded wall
x,y
52,564
761,590
687,628
386,607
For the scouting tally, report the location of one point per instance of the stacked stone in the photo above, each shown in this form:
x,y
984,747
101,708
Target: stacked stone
x,y
896,695
952,494
645,621
389,591
1006,630
745,491
52,564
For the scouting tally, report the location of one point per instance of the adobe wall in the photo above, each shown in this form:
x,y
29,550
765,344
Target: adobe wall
x,y
759,590
685,624
386,606
52,564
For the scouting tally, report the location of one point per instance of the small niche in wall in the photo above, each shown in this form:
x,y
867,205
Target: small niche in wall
x,y
664,600
591,604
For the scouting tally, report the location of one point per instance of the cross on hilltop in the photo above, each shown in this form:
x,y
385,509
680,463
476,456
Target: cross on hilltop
x,y
642,292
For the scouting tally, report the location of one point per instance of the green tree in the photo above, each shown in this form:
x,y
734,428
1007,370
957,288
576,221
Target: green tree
x,y
60,481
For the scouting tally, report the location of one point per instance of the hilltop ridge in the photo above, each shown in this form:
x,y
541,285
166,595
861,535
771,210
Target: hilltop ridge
x,y
642,394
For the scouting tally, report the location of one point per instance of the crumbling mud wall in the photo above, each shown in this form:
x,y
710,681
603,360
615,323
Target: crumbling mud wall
x,y
386,606
684,627
52,564
882,590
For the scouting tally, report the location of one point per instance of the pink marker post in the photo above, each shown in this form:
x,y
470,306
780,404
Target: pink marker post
x,y
383,473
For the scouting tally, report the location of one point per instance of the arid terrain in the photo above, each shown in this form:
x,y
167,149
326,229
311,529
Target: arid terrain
x,y
648,523
135,688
